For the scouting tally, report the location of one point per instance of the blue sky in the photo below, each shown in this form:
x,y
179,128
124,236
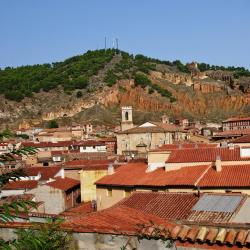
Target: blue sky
x,y
214,31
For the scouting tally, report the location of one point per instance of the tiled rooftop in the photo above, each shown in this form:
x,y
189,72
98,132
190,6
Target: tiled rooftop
x,y
115,220
185,146
171,206
230,133
229,176
14,185
63,183
205,155
46,172
88,164
242,139
134,174
233,119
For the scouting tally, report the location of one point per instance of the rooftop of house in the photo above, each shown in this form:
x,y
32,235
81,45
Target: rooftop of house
x,y
230,176
81,209
170,206
206,155
145,214
115,220
235,119
88,164
135,174
45,172
232,133
48,144
242,139
90,143
20,185
64,184
153,127
203,176
175,146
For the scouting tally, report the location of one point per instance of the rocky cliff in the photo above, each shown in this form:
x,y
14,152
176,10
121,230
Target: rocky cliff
x,y
208,95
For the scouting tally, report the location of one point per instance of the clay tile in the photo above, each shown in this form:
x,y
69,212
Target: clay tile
x,y
221,235
175,231
212,234
230,237
202,234
247,240
192,234
241,236
183,233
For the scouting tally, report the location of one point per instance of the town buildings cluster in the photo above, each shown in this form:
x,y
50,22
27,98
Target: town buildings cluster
x,y
189,181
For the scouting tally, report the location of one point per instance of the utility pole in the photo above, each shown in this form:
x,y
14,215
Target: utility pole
x,y
116,41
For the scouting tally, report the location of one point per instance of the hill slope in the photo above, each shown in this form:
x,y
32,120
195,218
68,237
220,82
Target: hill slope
x,y
109,79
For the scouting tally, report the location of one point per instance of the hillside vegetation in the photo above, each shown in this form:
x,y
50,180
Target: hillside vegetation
x,y
76,72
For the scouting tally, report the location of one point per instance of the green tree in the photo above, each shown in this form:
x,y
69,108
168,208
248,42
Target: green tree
x,y
47,236
79,94
53,124
142,80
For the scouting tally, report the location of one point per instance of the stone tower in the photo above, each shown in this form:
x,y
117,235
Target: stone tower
x,y
127,118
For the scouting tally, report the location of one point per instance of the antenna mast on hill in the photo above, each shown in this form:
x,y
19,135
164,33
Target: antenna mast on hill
x,y
105,43
116,41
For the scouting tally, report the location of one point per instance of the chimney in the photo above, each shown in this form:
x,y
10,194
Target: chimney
x,y
111,169
165,119
63,174
218,164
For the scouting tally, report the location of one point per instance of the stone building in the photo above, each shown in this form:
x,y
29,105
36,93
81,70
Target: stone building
x,y
135,141
236,124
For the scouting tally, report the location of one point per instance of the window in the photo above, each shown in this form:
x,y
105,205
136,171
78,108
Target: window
x,y
127,193
126,116
109,192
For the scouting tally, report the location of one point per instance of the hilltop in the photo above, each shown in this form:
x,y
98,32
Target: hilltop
x,y
93,86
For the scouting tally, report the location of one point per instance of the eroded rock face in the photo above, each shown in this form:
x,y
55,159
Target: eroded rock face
x,y
174,78
221,75
207,88
201,98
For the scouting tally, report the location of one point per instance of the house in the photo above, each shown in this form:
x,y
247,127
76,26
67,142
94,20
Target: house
x,y
111,144
125,180
243,141
236,123
135,141
230,134
18,187
88,172
58,195
4,148
188,221
92,147
34,176
229,155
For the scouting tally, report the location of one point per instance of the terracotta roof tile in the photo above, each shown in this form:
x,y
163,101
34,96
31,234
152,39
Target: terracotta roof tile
x,y
48,144
13,185
229,176
186,146
114,220
81,209
243,139
233,119
46,172
88,164
174,206
205,155
63,183
134,174
230,133
157,127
